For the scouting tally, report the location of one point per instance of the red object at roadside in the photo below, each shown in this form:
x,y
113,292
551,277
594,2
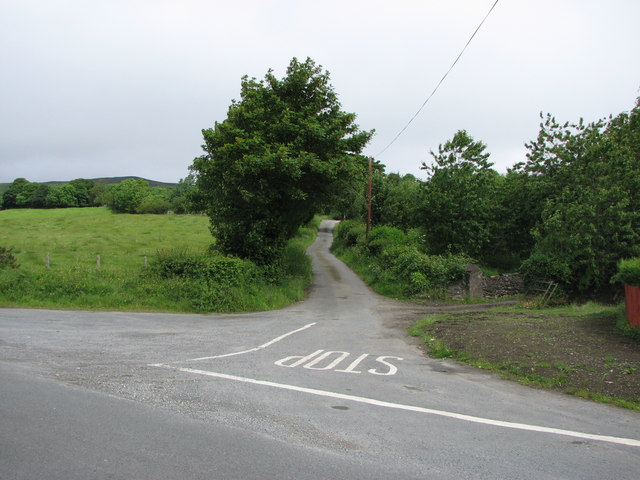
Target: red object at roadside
x,y
632,301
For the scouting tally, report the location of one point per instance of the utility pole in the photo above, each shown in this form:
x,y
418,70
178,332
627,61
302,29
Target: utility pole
x,y
369,195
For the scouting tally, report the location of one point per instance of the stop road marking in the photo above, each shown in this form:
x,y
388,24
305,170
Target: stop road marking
x,y
330,360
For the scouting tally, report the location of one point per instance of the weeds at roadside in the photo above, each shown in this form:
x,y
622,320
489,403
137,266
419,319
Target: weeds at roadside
x,y
417,329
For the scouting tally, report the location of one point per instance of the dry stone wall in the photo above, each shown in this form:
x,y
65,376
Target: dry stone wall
x,y
505,285
476,285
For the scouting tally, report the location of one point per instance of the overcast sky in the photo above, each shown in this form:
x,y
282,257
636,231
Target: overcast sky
x,y
93,88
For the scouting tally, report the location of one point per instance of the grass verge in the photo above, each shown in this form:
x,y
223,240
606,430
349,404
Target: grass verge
x,y
573,349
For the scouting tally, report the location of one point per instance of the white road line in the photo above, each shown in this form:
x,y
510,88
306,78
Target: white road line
x,y
467,418
264,345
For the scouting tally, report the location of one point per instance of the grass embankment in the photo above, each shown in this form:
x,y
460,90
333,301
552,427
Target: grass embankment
x,y
573,349
74,238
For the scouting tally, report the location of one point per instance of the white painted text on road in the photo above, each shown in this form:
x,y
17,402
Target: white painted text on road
x,y
331,360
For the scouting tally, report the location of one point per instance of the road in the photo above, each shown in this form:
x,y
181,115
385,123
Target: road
x,y
328,388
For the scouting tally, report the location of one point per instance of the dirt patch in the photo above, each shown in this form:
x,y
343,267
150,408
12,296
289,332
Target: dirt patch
x,y
573,354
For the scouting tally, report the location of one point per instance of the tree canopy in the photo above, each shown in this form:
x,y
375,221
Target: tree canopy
x,y
458,197
285,150
24,194
587,178
569,213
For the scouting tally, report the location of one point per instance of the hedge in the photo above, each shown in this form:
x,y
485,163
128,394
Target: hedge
x,y
628,272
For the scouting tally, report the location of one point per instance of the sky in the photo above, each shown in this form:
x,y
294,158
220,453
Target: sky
x,y
106,88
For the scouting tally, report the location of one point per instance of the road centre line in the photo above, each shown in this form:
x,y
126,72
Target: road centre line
x,y
370,401
255,349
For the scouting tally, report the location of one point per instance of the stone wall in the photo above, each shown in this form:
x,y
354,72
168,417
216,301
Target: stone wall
x,y
476,285
505,285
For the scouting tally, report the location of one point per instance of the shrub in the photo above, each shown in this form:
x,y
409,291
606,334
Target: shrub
x,y
7,259
393,261
383,237
223,270
419,271
540,267
348,234
154,205
628,272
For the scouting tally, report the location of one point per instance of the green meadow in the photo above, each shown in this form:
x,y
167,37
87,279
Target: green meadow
x,y
73,238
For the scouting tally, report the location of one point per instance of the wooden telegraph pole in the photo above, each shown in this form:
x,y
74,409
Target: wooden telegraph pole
x,y
369,195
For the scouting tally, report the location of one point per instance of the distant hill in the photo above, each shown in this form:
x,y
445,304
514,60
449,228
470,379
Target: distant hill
x,y
105,180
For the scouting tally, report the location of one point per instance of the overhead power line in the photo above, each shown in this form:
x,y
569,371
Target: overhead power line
x,y
440,82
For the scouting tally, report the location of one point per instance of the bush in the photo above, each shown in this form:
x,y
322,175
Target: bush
x,y
393,261
222,270
540,267
349,234
419,271
628,272
383,237
7,259
154,205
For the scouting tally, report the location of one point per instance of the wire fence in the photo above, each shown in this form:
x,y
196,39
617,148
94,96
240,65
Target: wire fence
x,y
98,257
31,260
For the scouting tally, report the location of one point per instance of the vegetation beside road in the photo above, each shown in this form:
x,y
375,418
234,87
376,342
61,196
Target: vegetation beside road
x,y
74,238
572,349
567,213
394,263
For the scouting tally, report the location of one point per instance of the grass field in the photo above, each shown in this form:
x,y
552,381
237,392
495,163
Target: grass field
x,y
74,237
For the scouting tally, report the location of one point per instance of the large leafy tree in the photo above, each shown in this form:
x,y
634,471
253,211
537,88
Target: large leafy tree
x,y
9,198
458,197
61,196
399,204
285,150
126,196
83,191
517,211
33,195
184,197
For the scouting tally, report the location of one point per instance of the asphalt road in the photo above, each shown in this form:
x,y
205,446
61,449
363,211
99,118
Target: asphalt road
x,y
328,388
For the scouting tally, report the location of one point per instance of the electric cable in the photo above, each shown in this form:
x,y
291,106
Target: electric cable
x,y
440,82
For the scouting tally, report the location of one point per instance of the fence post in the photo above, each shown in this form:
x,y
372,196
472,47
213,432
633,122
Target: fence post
x,y
98,261
145,261
48,260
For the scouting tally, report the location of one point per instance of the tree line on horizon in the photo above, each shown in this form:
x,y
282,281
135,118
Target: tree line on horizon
x,y
132,195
